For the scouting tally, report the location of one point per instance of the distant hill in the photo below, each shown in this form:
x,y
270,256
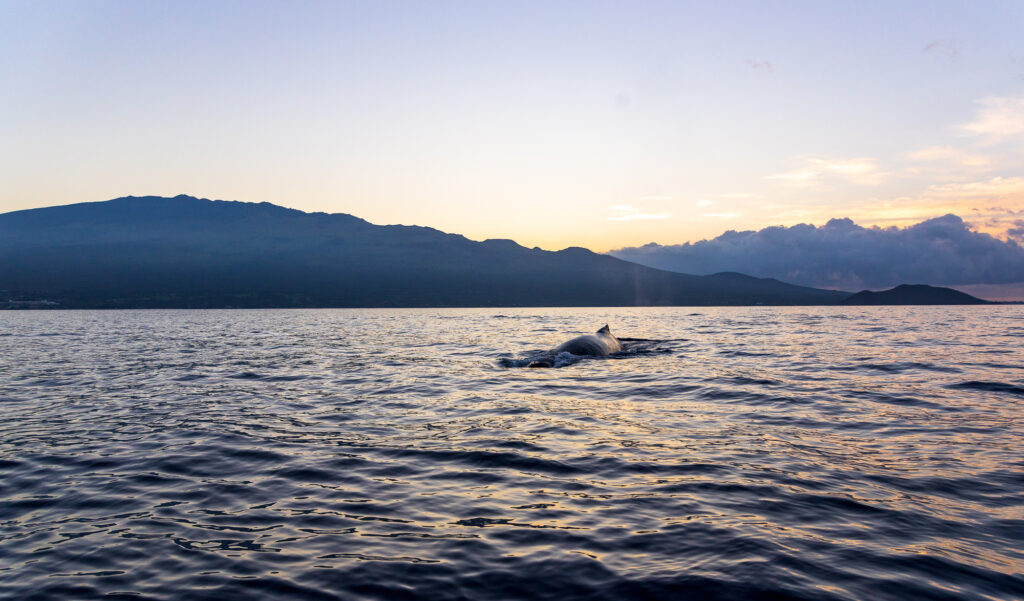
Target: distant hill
x,y
190,252
913,294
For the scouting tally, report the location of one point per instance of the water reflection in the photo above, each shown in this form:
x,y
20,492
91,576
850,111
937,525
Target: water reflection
x,y
796,453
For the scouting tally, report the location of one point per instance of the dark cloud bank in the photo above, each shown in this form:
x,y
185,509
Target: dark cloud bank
x,y
844,255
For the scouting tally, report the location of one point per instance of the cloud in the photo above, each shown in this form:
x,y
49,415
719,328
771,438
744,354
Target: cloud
x,y
844,255
761,66
703,202
1004,188
945,48
863,171
631,213
720,215
998,119
1017,232
950,155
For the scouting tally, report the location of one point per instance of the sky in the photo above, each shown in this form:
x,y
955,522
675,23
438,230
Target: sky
x,y
595,124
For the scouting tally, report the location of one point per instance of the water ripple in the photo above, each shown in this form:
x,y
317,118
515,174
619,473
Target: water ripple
x,y
738,453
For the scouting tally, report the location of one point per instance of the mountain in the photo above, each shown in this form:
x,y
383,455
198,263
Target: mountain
x,y
189,252
913,294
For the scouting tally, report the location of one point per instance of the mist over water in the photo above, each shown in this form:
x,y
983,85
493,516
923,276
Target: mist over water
x,y
756,453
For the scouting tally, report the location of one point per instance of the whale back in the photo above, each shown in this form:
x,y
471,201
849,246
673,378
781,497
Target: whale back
x,y
596,345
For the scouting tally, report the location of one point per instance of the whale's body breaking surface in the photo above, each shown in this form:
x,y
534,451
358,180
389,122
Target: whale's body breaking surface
x,y
596,345
600,344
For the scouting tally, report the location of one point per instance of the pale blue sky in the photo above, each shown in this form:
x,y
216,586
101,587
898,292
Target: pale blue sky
x,y
599,124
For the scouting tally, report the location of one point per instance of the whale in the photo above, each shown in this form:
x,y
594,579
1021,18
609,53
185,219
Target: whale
x,y
599,344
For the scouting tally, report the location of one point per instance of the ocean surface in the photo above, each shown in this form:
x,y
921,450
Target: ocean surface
x,y
737,453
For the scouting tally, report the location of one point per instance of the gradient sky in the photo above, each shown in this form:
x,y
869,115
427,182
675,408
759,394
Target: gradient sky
x,y
599,124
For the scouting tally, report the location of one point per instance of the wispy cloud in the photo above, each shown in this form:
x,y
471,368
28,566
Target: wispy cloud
x,y
944,48
703,202
998,119
720,215
764,66
948,154
997,188
938,164
631,213
863,171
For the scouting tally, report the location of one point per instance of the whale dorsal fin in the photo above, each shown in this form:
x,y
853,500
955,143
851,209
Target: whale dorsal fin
x,y
604,330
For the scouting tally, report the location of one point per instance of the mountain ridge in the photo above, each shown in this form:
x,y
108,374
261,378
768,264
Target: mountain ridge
x,y
183,251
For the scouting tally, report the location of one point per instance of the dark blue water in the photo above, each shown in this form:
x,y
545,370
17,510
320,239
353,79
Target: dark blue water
x,y
756,453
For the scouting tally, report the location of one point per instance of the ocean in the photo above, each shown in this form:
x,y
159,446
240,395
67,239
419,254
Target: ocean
x,y
774,453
